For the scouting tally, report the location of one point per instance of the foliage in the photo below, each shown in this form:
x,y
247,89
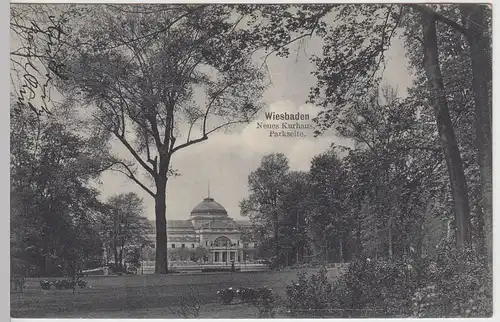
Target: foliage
x,y
45,284
179,254
200,253
262,298
456,284
327,224
187,305
226,295
459,286
160,79
17,283
381,288
133,257
124,229
355,39
53,210
265,203
265,302
310,296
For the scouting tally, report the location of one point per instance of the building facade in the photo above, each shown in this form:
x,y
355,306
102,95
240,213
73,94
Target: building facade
x,y
210,236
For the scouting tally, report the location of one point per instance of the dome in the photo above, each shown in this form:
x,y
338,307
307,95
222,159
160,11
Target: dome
x,y
208,207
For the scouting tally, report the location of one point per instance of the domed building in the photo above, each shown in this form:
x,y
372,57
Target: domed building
x,y
209,227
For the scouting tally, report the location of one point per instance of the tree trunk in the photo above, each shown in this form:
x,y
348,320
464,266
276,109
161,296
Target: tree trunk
x,y
359,241
341,251
420,237
326,251
115,251
481,240
161,261
298,248
390,238
120,258
276,234
481,81
446,132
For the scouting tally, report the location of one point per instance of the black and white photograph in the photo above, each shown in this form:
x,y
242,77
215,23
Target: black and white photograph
x,y
251,160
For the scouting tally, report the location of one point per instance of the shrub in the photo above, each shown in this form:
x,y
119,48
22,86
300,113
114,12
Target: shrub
x,y
265,302
63,284
263,298
226,295
45,284
246,295
381,288
367,288
186,305
310,296
17,283
458,286
81,283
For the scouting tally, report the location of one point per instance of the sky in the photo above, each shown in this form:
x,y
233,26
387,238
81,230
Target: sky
x,y
227,158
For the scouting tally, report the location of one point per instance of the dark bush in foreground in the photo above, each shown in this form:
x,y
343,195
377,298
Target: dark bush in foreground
x,y
456,284
226,295
265,302
311,296
380,288
62,284
247,295
45,284
459,285
262,298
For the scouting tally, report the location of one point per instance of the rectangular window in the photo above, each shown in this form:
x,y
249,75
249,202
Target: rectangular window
x,y
173,245
183,245
231,256
192,246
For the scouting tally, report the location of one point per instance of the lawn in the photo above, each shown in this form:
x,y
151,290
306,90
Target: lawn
x,y
144,296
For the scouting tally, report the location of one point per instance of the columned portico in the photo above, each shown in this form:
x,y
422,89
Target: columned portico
x,y
223,255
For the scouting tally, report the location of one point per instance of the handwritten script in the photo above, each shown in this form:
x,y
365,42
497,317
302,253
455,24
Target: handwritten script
x,y
30,83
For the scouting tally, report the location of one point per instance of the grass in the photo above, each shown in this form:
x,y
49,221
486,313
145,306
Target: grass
x,y
144,296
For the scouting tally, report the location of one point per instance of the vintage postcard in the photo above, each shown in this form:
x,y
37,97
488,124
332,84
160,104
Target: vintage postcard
x,y
251,160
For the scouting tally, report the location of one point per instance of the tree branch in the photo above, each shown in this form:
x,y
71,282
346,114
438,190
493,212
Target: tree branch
x,y
157,32
131,175
188,143
309,34
135,155
439,17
